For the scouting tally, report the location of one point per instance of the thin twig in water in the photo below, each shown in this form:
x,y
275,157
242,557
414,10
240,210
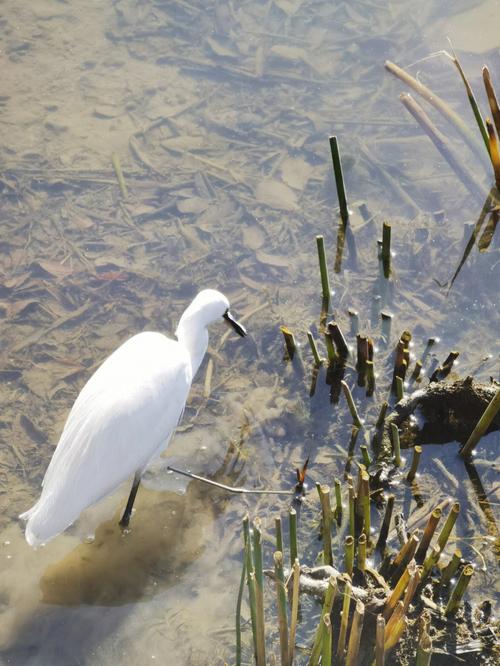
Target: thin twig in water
x,y
231,489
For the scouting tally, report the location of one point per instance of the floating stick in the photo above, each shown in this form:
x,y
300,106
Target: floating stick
x,y
459,590
482,425
417,452
325,283
339,179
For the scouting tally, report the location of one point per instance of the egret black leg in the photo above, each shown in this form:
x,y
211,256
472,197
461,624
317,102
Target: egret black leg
x,y
130,503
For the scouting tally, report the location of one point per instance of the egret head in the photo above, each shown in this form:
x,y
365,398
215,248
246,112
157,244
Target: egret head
x,y
206,308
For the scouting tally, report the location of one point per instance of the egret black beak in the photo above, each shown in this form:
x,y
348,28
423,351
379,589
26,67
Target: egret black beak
x,y
232,322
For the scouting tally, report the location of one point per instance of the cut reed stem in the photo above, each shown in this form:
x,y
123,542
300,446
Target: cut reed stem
x,y
349,554
482,425
451,568
417,452
396,444
339,179
424,650
325,282
291,346
355,635
282,606
448,526
459,590
352,407
344,620
316,651
386,248
314,349
326,512
294,614
259,593
292,515
429,530
379,642
384,529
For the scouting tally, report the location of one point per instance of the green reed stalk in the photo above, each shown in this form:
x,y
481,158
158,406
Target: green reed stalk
x,y
352,407
424,650
370,378
386,248
352,512
250,579
326,650
339,179
482,425
400,389
451,568
279,534
459,590
331,591
344,620
330,348
393,622
314,349
379,642
259,593
365,455
431,560
444,535
238,613
282,606
338,501
349,554
413,584
382,413
295,610
362,552
417,452
293,535
326,512
325,282
119,175
396,444
472,101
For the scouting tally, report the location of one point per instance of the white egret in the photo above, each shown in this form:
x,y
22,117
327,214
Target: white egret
x,y
123,418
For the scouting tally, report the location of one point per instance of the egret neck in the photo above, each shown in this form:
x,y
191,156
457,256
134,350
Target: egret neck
x,y
194,337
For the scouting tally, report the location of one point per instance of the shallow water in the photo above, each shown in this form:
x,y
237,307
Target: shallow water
x,y
220,115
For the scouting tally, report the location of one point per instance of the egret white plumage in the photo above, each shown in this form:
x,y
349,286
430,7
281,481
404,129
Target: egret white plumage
x,y
123,418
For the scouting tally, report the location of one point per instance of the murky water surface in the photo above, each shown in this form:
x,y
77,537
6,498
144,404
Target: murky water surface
x,y
219,113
